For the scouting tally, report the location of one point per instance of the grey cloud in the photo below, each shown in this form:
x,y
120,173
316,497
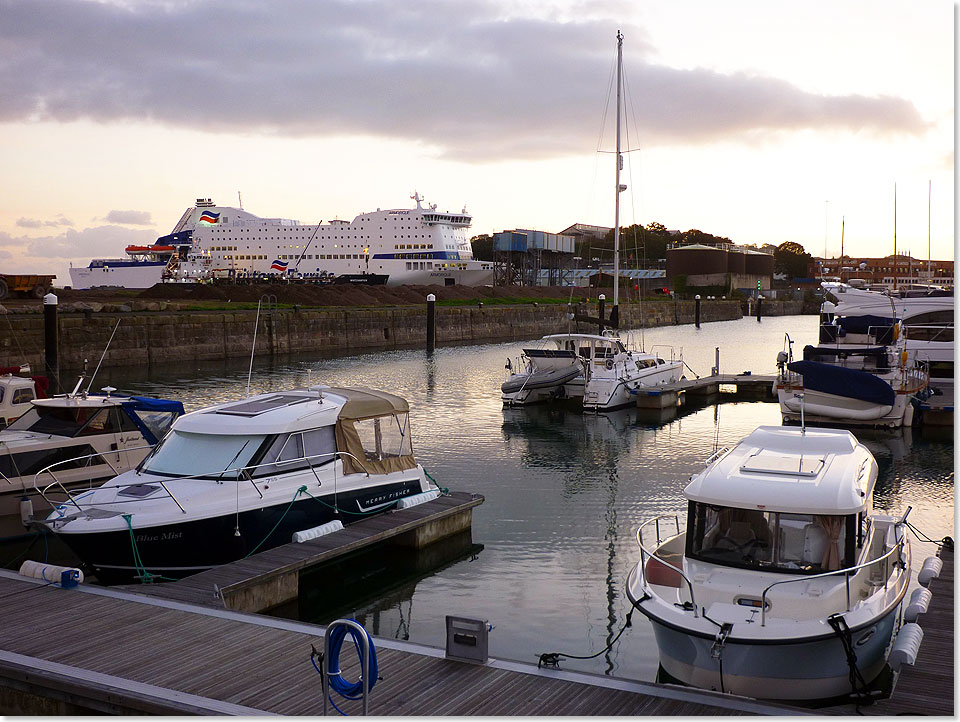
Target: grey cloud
x,y
131,218
466,78
37,223
81,244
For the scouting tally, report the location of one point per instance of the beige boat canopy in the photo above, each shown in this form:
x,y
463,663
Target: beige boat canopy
x,y
373,427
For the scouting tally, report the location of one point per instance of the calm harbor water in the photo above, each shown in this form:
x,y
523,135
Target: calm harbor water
x,y
565,492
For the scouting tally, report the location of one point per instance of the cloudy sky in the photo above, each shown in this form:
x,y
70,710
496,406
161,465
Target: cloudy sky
x,y
759,121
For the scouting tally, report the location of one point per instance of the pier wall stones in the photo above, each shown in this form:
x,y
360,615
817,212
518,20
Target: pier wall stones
x,y
161,338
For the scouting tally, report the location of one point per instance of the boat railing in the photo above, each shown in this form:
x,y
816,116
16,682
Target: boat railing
x,y
646,554
715,455
673,352
884,560
244,472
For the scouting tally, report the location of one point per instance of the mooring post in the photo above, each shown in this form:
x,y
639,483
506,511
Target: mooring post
x,y
716,368
759,307
51,339
431,322
601,300
696,311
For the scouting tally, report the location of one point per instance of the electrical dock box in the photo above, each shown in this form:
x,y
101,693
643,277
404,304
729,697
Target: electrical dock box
x,y
467,639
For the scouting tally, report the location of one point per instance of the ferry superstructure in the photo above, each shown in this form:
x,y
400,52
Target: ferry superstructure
x,y
408,246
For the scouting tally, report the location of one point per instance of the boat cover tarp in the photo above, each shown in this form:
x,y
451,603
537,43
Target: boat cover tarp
x,y
849,383
831,354
862,324
145,403
363,404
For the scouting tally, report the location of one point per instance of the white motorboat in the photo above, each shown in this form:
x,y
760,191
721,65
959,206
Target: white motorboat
x,y
78,439
244,476
784,575
17,390
596,369
856,386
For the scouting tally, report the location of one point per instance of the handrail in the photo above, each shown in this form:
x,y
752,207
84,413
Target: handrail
x,y
645,552
846,572
715,455
56,482
206,475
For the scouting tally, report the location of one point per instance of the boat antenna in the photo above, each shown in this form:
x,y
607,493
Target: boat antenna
x,y
89,385
240,200
254,347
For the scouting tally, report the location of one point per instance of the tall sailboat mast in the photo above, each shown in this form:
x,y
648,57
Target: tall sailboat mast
x,y
615,312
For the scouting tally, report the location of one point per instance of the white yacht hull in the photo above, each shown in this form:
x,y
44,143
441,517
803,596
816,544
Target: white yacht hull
x,y
614,388
820,407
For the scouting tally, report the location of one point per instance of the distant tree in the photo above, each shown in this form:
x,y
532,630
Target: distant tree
x,y
791,259
482,247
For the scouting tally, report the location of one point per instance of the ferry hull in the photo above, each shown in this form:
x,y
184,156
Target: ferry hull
x,y
173,551
780,670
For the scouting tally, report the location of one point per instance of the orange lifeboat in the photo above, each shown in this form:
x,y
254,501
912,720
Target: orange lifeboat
x,y
150,249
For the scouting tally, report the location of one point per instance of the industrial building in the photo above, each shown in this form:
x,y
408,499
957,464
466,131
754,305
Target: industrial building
x,y
728,266
530,258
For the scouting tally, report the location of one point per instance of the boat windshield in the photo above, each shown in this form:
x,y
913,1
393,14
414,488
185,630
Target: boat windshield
x,y
771,541
183,453
73,421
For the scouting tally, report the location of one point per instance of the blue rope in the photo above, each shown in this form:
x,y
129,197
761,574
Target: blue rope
x,y
347,690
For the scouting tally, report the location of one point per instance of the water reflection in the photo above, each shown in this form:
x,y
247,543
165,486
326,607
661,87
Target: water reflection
x,y
564,492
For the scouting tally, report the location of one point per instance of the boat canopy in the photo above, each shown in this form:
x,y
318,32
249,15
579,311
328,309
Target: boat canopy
x,y
373,429
840,381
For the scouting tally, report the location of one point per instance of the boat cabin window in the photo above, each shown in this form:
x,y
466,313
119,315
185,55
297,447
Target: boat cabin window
x,y
75,421
221,456
385,437
771,541
111,420
301,450
158,422
20,396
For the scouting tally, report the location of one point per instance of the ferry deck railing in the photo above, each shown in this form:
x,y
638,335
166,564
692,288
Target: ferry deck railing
x,y
242,472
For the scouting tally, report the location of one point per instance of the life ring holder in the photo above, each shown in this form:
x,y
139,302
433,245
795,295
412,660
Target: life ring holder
x,y
609,364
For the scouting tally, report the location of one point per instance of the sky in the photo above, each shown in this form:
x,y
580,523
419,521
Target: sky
x,y
761,122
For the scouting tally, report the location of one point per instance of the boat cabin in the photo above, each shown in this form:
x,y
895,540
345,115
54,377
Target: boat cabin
x,y
784,500
272,434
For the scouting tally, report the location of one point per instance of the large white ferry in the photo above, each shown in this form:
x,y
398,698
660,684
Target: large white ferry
x,y
400,246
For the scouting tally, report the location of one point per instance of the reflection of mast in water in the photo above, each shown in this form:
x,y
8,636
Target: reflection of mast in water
x,y
403,627
611,538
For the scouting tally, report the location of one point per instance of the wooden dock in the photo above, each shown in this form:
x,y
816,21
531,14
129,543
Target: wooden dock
x,y
271,577
100,650
707,389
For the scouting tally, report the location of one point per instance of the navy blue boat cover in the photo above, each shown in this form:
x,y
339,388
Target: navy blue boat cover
x,y
862,324
145,403
849,383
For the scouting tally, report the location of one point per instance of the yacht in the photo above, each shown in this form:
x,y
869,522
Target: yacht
x,y
851,385
858,317
596,370
781,567
421,245
75,440
242,477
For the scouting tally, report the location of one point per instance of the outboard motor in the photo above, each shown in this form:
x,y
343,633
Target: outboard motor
x,y
782,361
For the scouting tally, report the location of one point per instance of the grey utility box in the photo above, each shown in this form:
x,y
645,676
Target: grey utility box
x,y
466,639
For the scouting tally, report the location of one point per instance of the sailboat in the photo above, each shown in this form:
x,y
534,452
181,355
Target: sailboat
x,y
613,382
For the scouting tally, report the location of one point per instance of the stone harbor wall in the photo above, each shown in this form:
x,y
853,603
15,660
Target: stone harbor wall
x,y
158,334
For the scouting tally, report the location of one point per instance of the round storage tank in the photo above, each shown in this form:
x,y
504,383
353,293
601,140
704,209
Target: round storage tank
x,y
758,264
695,259
736,262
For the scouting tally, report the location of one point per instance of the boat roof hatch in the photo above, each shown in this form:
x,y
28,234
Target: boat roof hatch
x,y
766,461
258,406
